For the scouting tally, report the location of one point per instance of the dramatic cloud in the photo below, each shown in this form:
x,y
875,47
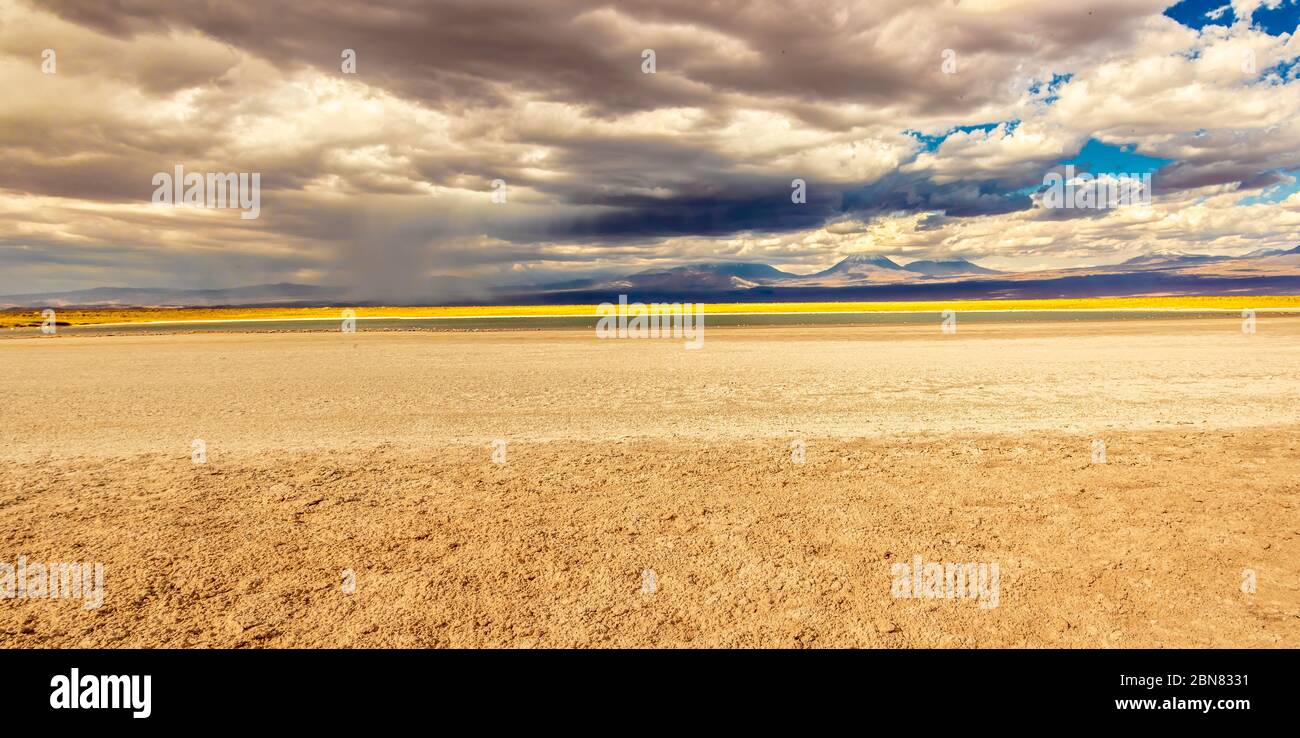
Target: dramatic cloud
x,y
920,129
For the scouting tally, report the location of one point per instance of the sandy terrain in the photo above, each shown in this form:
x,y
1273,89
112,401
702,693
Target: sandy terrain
x,y
371,452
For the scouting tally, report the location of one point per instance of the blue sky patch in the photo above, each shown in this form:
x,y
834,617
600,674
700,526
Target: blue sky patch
x,y
1201,13
1103,158
1282,72
1277,21
933,142
1050,88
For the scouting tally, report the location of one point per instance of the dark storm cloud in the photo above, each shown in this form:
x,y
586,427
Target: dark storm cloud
x,y
902,192
722,214
455,51
382,177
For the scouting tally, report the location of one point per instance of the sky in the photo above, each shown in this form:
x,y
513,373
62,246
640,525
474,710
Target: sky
x,y
921,130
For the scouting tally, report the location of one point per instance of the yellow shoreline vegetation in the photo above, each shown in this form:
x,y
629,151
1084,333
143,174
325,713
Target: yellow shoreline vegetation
x,y
18,318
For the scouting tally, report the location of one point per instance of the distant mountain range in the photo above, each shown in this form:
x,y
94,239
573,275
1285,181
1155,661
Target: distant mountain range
x,y
877,277
948,268
856,277
851,270
1181,258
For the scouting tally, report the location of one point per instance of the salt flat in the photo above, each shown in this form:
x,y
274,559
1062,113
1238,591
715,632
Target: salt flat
x,y
371,452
